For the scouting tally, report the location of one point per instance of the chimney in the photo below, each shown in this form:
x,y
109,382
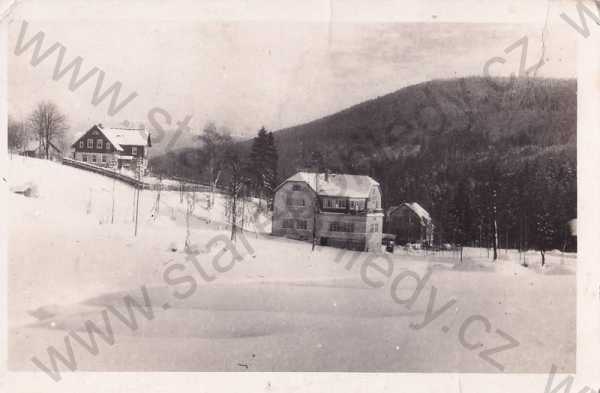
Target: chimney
x,y
326,175
100,125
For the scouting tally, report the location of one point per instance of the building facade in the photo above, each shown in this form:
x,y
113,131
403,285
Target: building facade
x,y
411,223
113,148
338,210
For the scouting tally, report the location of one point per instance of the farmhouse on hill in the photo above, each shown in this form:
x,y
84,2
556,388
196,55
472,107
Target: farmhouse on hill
x,y
410,222
113,147
339,210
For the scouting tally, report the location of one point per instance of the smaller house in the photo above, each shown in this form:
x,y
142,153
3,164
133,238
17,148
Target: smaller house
x,y
114,147
33,148
410,222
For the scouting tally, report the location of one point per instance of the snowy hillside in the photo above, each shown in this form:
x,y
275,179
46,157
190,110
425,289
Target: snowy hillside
x,y
281,306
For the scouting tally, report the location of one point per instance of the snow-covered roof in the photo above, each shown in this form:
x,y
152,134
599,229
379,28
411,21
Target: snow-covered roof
x,y
419,210
120,137
415,207
126,136
336,184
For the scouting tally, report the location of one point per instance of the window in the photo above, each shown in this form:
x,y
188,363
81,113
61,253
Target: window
x,y
341,227
296,202
355,205
287,223
377,202
375,199
81,144
134,150
90,143
296,187
93,158
103,158
99,144
301,224
84,157
107,145
374,227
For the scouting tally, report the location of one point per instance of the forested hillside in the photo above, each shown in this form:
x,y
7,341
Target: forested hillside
x,y
469,150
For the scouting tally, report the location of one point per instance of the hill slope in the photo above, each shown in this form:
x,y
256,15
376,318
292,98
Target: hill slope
x,y
451,117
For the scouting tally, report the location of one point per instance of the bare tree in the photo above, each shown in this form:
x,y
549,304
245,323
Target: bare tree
x,y
48,125
215,144
189,212
236,188
17,135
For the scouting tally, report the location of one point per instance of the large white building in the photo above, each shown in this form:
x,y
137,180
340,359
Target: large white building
x,y
339,210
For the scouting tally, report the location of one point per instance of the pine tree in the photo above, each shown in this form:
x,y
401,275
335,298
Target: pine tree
x,y
257,163
270,174
262,165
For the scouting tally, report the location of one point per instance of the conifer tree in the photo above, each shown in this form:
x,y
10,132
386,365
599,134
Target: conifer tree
x,y
262,165
271,159
257,164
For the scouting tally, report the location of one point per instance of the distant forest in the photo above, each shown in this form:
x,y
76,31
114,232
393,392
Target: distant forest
x,y
486,157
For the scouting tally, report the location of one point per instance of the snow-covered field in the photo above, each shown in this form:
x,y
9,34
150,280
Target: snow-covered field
x,y
280,306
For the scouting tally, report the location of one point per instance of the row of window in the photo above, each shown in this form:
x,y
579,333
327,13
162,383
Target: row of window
x,y
333,226
94,158
330,203
90,144
100,144
296,202
343,203
341,227
337,203
289,224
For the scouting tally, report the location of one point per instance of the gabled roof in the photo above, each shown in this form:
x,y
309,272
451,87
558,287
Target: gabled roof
x,y
120,137
415,208
335,184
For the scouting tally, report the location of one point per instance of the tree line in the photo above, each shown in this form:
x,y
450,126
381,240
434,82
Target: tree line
x,y
226,165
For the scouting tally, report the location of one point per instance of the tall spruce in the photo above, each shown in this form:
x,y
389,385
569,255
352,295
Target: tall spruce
x,y
257,162
271,159
263,165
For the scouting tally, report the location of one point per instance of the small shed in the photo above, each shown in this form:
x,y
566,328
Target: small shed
x,y
410,222
33,148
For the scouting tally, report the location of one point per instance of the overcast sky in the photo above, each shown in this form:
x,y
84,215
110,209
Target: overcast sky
x,y
249,73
